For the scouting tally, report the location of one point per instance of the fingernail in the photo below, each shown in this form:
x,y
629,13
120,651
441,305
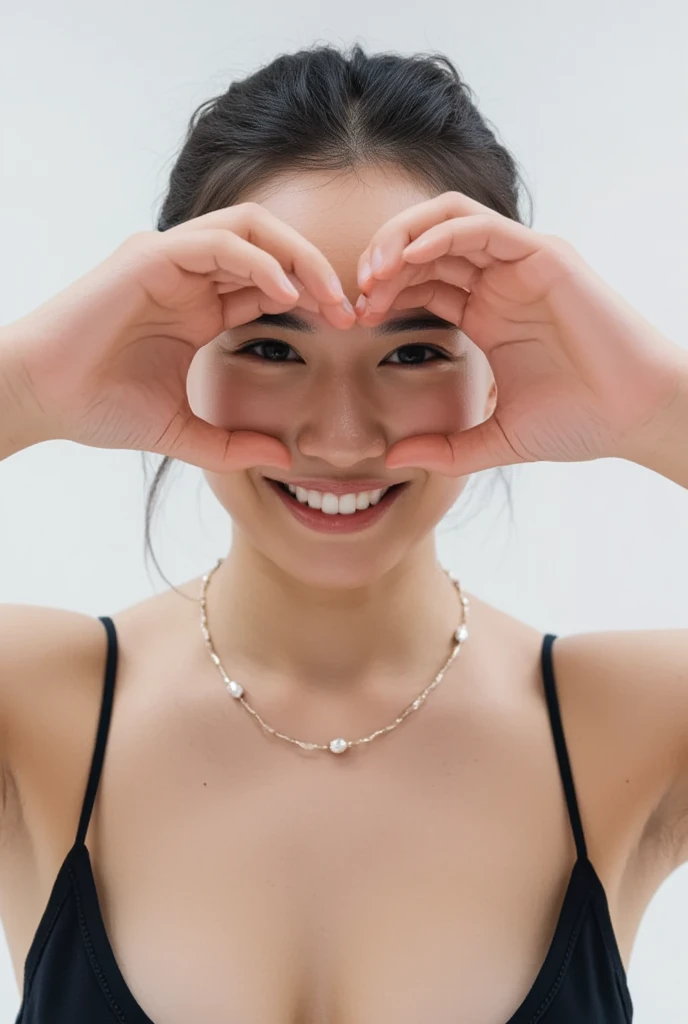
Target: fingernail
x,y
290,286
364,272
361,304
377,260
336,287
347,306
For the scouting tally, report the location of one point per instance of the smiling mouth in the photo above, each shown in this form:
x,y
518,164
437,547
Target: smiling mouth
x,y
330,518
285,489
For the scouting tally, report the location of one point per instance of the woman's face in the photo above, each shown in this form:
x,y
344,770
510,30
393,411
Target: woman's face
x,y
337,399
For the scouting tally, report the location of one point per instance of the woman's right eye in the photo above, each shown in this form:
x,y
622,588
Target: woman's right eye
x,y
275,351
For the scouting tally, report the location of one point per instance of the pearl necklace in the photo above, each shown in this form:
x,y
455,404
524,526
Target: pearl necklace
x,y
338,745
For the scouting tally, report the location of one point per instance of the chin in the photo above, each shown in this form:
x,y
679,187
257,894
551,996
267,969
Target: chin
x,y
332,570
266,528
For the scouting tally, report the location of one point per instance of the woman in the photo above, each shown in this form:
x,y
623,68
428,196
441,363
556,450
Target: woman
x,y
309,806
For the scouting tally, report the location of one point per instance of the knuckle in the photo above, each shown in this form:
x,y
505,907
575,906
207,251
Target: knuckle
x,y
455,198
448,200
561,248
251,208
241,216
559,244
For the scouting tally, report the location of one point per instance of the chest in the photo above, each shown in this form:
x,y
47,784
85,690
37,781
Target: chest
x,y
419,877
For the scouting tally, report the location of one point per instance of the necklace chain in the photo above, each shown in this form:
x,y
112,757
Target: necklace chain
x,y
338,745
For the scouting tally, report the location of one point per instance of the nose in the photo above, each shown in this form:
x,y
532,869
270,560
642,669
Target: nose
x,y
341,423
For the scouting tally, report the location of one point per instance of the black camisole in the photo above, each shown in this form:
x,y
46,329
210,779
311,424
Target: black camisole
x,y
71,975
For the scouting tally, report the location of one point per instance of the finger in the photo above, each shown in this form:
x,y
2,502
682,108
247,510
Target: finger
x,y
221,451
467,451
207,252
243,306
455,271
229,285
339,315
260,228
399,231
482,240
444,300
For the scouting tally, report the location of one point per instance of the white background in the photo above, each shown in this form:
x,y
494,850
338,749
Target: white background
x,y
592,99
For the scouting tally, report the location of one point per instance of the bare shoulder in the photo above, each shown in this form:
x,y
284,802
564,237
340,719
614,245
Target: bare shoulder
x,y
45,654
32,633
40,648
52,663
637,683
623,696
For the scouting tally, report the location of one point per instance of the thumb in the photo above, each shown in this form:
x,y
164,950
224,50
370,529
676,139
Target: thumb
x,y
484,446
222,451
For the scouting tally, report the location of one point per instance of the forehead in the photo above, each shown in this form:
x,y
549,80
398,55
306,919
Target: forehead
x,y
337,211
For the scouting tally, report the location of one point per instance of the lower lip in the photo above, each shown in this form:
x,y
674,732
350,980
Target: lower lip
x,y
338,523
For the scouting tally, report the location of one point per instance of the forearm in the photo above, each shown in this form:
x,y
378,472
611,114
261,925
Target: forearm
x,y
663,446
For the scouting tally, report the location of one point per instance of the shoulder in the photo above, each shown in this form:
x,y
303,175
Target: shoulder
x,y
44,653
52,667
48,657
37,643
632,686
26,629
40,646
623,696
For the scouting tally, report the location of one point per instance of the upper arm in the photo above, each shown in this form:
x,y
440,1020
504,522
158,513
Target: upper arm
x,y
670,680
642,679
46,655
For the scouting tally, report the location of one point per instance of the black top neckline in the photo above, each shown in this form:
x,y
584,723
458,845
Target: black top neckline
x,y
585,897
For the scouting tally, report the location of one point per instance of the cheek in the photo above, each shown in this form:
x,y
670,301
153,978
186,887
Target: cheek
x,y
235,492
239,398
429,402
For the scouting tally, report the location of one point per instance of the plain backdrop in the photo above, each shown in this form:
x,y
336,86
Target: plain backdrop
x,y
592,99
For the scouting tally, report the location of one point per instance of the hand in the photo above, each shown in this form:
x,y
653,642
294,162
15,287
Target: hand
x,y
105,361
580,374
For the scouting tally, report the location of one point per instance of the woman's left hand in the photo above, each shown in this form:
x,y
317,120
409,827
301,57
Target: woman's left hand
x,y
580,373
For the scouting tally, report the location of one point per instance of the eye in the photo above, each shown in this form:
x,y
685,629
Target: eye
x,y
413,354
278,352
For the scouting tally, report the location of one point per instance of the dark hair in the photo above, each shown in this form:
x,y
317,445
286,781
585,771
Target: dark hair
x,y
323,109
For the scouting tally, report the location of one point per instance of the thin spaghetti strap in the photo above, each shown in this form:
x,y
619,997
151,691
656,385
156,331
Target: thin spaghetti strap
x,y
103,726
560,745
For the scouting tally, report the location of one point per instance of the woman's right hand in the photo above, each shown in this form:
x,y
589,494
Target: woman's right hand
x,y
104,362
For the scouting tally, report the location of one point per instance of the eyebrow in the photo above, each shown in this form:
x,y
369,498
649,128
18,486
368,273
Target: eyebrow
x,y
395,325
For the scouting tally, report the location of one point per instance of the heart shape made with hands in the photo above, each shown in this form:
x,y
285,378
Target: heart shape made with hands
x,y
579,372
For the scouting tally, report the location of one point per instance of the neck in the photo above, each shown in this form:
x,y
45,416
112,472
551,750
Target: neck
x,y
303,640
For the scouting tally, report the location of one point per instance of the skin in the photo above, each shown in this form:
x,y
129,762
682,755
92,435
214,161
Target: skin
x,y
241,877
337,410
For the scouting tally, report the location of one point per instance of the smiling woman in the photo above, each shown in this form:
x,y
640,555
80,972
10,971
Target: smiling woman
x,y
339,397
341,318
336,161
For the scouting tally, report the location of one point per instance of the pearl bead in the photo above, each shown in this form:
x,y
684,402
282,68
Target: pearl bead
x,y
236,689
338,746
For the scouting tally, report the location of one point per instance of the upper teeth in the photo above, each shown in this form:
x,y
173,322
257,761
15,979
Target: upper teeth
x,y
332,504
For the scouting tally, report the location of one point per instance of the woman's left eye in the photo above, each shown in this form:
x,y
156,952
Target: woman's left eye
x,y
415,352
278,351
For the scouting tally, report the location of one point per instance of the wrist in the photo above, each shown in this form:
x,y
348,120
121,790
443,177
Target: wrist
x,y
662,445
21,418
